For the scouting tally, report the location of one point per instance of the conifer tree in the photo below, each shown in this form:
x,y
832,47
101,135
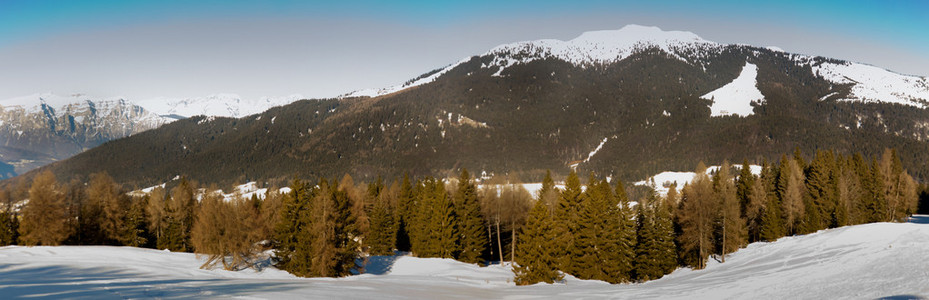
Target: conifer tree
x,y
157,216
732,233
623,232
744,186
104,191
535,261
471,239
792,197
567,219
655,250
696,217
443,224
592,237
755,209
772,220
135,232
9,221
45,216
382,237
404,213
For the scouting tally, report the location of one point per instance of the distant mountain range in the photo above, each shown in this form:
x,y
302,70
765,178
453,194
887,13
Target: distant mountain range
x,y
625,103
38,129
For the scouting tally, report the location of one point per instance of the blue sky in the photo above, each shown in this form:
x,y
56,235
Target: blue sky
x,y
145,48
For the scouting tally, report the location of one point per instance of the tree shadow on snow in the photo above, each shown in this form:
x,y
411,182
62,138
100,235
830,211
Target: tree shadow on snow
x,y
381,264
96,283
919,219
903,297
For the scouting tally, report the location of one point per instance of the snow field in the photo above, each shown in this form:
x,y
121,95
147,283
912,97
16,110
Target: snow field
x,y
859,262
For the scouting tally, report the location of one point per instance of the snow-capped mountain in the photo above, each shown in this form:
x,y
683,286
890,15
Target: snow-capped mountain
x,y
599,48
38,129
217,105
42,128
622,103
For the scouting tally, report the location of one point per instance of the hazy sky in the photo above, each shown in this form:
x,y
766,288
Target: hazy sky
x,y
142,49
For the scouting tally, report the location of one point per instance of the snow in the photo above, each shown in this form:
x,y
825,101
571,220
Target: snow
x,y
594,152
216,105
596,47
661,182
873,84
735,98
593,47
860,262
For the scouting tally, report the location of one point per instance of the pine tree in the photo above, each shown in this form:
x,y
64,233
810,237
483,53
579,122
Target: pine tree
x,y
9,221
744,187
535,261
135,231
443,232
382,237
44,220
567,218
404,214
624,234
471,239
655,250
292,238
591,238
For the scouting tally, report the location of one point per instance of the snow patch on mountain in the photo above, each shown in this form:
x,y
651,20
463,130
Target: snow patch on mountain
x,y
873,84
736,97
217,105
598,47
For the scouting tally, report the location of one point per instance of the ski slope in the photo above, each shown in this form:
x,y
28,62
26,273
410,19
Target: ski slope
x,y
859,262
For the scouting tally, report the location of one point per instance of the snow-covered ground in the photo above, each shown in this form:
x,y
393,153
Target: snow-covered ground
x,y
736,97
857,262
662,182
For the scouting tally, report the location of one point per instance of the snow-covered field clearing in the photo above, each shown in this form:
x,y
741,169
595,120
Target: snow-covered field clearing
x,y
858,262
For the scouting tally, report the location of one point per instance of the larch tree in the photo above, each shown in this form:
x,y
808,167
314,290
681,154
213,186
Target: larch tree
x,y
732,233
45,216
157,215
792,197
696,217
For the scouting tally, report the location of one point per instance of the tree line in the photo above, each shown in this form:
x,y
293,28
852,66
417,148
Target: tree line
x,y
328,227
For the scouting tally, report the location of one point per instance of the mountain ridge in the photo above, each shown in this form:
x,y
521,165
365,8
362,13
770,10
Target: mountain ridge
x,y
644,112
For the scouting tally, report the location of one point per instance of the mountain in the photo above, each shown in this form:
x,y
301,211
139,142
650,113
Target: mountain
x,y
38,129
624,103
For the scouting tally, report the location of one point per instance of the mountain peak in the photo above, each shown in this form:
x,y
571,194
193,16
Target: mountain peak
x,y
631,34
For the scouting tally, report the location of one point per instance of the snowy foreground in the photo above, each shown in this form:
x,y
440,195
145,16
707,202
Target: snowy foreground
x,y
860,262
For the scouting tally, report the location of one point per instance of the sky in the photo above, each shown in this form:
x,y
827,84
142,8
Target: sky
x,y
146,49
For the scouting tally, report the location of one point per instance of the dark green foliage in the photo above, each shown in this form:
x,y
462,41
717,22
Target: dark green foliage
x,y
567,220
9,228
412,131
472,241
656,254
535,260
382,236
316,230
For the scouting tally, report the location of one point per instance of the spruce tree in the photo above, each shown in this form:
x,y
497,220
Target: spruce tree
x,y
471,239
382,237
655,250
592,236
566,222
744,186
535,261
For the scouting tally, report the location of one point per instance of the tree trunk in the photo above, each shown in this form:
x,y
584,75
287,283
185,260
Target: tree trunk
x,y
499,245
513,242
724,239
490,237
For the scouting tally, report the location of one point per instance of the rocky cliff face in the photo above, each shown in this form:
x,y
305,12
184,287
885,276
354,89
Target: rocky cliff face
x,y
40,129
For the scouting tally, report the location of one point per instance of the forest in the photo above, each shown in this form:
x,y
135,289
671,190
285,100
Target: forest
x,y
328,227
